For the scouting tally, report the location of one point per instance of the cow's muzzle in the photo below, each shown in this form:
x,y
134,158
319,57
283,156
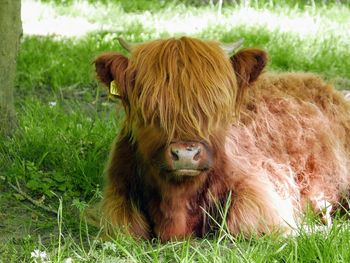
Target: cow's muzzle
x,y
187,158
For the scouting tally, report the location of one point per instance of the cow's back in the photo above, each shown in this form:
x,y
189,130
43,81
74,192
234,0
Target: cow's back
x,y
303,86
294,129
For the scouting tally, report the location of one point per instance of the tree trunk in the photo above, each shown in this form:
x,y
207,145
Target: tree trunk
x,y
10,32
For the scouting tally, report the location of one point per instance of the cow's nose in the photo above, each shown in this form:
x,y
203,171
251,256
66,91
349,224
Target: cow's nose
x,y
186,156
181,153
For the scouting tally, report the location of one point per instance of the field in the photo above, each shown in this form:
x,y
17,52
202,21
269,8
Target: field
x,y
52,169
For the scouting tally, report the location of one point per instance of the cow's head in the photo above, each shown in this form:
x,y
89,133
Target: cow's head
x,y
180,97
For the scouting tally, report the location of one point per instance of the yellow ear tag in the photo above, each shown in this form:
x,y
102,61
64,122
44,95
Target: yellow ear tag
x,y
113,89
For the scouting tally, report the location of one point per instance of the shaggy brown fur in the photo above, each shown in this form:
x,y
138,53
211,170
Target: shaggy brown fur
x,y
279,141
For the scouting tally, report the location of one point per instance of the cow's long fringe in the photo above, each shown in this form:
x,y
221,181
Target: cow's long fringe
x,y
185,87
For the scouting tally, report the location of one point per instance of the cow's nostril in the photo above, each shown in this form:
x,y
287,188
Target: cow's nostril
x,y
197,154
174,154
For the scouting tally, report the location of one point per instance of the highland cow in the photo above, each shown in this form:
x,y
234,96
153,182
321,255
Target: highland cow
x,y
203,129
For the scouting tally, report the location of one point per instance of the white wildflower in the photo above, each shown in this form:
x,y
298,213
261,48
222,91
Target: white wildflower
x,y
68,260
109,246
39,256
52,103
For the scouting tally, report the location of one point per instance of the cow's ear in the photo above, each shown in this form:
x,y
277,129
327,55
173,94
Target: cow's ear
x,y
112,67
248,64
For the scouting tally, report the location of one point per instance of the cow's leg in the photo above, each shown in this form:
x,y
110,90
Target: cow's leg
x,y
256,208
121,214
119,208
171,222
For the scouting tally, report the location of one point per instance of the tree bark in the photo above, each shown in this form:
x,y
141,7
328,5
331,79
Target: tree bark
x,y
10,33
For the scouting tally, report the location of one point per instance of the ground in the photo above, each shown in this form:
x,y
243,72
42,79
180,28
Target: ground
x,y
67,122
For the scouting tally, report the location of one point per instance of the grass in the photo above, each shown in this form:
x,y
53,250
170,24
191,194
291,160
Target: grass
x,y
67,124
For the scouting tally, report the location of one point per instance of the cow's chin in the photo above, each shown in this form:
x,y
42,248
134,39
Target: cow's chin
x,y
184,175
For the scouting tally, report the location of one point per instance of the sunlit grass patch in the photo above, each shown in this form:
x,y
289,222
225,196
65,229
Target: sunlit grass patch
x,y
175,18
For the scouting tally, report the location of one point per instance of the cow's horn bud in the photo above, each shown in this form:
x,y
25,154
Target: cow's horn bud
x,y
229,48
125,44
